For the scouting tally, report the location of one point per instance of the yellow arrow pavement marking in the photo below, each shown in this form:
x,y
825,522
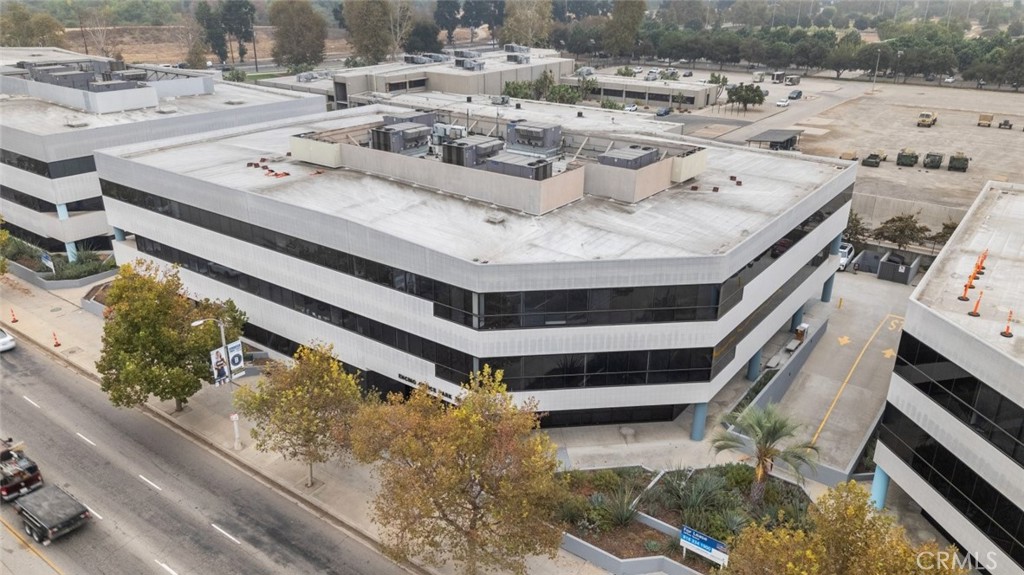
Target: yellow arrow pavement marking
x,y
843,340
889,353
849,375
27,545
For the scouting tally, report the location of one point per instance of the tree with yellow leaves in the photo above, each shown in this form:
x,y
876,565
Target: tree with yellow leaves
x,y
847,535
298,409
471,482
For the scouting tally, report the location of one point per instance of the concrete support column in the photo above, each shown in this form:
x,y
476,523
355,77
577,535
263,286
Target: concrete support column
x,y
754,366
798,318
119,234
700,419
879,487
72,251
62,211
826,290
833,248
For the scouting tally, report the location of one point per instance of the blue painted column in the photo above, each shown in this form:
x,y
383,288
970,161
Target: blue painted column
x,y
754,366
119,234
62,211
833,248
826,290
879,487
700,419
797,319
72,251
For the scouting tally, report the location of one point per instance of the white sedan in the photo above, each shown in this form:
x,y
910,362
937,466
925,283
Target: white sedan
x,y
783,103
630,108
7,342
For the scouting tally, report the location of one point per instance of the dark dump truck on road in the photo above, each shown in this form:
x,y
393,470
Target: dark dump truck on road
x,y
50,513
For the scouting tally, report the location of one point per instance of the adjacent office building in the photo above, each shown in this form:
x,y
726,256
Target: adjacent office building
x,y
952,433
57,107
616,272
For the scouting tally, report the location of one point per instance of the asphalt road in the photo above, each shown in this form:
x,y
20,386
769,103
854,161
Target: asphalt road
x,y
162,504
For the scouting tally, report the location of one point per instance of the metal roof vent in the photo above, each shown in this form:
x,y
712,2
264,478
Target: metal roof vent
x,y
234,102
166,109
495,218
75,122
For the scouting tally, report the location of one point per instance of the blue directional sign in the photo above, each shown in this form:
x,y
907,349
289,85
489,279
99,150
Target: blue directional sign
x,y
701,544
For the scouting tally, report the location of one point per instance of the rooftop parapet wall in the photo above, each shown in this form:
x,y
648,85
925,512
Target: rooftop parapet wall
x,y
525,195
627,185
90,102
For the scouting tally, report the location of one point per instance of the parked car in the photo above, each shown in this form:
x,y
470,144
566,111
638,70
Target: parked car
x,y
949,79
7,342
637,70
782,103
687,74
670,70
846,253
630,108
664,111
796,94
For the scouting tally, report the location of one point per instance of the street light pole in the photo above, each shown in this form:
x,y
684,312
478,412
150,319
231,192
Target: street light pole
x,y
874,77
223,343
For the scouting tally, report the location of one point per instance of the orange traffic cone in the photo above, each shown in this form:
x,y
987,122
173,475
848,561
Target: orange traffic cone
x,y
14,318
56,342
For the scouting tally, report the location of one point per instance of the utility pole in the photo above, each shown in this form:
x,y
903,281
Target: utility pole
x,y
255,59
874,77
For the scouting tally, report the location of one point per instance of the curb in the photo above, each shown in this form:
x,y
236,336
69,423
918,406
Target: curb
x,y
311,505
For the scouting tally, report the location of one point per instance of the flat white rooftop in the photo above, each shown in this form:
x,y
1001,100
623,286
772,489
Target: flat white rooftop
x,y
40,117
10,56
677,222
995,223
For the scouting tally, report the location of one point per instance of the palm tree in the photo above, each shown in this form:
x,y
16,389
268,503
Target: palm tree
x,y
767,429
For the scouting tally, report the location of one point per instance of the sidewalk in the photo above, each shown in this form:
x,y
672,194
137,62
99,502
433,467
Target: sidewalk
x,y
341,492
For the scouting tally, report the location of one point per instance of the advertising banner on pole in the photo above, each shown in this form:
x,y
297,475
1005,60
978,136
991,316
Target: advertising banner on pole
x,y
236,359
219,366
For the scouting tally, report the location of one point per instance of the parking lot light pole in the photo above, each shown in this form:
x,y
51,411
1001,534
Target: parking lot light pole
x,y
874,78
223,341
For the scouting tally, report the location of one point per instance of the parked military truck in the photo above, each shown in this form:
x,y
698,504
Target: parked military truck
x,y
985,120
872,160
50,513
927,119
958,162
906,157
933,160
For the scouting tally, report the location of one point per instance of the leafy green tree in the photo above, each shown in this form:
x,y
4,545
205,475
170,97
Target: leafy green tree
x,y
856,231
745,95
237,18
300,34
622,31
21,27
767,430
527,22
1013,64
400,23
472,482
843,55
149,345
476,13
423,38
563,94
338,12
5,237
235,75
446,15
368,22
522,89
542,86
587,36
902,230
725,48
759,550
216,37
303,410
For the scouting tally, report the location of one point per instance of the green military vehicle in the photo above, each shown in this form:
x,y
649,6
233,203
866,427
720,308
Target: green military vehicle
x,y
872,160
933,160
906,157
958,162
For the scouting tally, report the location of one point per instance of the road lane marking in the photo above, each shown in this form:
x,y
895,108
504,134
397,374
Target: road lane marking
x,y
155,486
85,439
25,397
225,533
849,376
165,566
94,514
27,545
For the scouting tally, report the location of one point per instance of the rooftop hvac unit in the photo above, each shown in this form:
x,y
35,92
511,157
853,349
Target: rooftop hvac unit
x,y
471,151
632,158
516,48
416,59
468,54
436,57
418,117
406,138
474,65
520,166
536,138
517,58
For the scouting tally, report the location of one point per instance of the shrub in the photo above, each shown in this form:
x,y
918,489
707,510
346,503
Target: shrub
x,y
235,76
605,481
573,509
609,104
616,510
737,476
625,71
